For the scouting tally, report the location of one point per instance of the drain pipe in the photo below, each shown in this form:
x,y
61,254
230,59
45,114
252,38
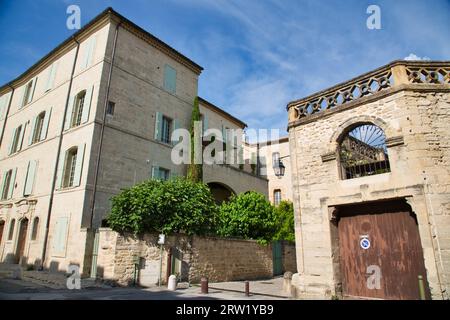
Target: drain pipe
x,y
55,170
94,249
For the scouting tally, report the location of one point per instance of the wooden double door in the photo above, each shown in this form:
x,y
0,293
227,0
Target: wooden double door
x,y
380,251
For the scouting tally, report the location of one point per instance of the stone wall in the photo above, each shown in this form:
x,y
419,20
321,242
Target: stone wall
x,y
217,259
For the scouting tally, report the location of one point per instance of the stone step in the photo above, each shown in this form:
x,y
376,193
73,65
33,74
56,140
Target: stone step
x,y
58,280
10,271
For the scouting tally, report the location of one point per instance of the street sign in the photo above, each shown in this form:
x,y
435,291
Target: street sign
x,y
161,239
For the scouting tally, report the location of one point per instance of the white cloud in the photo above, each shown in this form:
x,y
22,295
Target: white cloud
x,y
413,57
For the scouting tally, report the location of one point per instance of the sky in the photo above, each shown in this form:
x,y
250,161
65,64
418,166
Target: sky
x,y
258,55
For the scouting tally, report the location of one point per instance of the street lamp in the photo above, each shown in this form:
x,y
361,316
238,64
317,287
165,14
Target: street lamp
x,y
279,169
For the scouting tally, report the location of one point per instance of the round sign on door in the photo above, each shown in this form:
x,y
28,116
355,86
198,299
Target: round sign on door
x,y
364,243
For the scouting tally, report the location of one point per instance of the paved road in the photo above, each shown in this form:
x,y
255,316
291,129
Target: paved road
x,y
261,290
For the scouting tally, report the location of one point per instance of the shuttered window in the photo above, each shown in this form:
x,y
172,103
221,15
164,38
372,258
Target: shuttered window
x,y
79,108
170,79
7,187
17,139
51,76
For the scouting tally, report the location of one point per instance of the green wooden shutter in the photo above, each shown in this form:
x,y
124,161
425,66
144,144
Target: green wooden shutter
x,y
33,127
45,125
176,125
60,236
69,113
60,171
205,123
87,104
33,87
22,101
158,126
29,180
51,76
3,185
11,142
155,172
224,134
170,79
12,183
88,56
79,165
21,135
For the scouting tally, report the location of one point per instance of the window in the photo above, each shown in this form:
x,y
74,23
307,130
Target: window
x,y
11,229
78,109
170,79
160,173
363,152
16,143
38,127
166,129
27,95
69,168
7,181
110,108
35,229
277,196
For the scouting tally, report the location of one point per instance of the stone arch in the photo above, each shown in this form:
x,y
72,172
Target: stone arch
x,y
353,122
220,191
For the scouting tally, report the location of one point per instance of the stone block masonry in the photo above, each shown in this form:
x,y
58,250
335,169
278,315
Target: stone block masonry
x,y
192,257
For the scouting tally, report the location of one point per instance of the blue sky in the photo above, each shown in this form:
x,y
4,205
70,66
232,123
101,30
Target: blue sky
x,y
258,54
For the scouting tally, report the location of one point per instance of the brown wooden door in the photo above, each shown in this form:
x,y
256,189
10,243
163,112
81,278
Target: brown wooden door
x,y
2,227
392,244
21,239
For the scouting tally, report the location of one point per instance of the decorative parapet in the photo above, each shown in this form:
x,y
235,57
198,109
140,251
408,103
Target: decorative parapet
x,y
396,75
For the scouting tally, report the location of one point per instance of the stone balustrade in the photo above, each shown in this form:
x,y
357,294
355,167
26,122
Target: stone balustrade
x,y
385,80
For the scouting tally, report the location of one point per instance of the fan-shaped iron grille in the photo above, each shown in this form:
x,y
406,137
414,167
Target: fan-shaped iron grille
x,y
363,152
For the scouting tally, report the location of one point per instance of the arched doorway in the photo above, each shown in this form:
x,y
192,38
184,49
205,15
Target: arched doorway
x,y
220,192
2,227
21,239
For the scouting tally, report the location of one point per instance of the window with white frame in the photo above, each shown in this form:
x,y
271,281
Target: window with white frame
x,y
77,111
39,124
160,173
16,143
27,95
277,196
166,129
69,167
7,180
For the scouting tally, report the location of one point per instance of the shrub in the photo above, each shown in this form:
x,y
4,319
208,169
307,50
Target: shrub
x,y
178,205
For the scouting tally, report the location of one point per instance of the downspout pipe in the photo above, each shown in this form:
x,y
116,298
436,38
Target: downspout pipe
x,y
55,170
102,130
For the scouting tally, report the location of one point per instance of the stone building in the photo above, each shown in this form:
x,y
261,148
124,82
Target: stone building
x,y
272,155
94,116
371,181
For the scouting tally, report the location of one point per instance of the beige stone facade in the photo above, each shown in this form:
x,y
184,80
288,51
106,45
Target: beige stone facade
x,y
279,187
111,94
413,110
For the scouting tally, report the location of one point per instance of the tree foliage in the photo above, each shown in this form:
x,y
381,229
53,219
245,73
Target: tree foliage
x,y
285,217
249,216
195,171
178,205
